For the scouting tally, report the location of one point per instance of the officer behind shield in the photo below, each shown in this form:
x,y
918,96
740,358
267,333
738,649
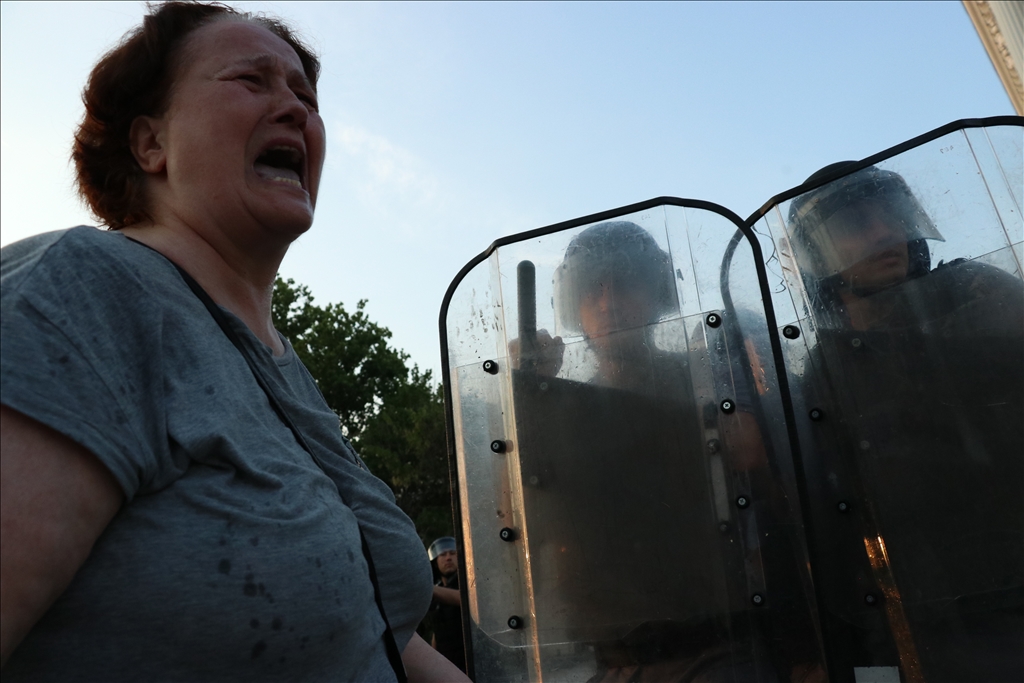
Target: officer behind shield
x,y
446,607
858,237
919,372
612,285
613,281
625,548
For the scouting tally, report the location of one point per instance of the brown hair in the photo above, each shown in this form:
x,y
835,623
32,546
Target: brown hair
x,y
135,79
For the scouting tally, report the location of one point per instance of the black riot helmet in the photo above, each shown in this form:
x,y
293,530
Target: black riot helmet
x,y
817,217
619,255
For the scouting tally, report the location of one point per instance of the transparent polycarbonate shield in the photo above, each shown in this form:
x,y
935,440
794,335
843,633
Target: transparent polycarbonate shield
x,y
904,351
628,501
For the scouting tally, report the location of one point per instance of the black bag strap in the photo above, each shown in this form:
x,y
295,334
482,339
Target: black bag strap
x,y
394,656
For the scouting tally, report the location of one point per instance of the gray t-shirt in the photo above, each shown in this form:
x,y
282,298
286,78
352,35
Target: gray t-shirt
x,y
235,556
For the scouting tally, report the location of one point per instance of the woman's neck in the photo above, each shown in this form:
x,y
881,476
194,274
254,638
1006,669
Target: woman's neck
x,y
236,279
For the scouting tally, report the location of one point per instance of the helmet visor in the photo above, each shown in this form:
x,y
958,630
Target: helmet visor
x,y
441,545
857,219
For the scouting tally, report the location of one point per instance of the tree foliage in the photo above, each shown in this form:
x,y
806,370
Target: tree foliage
x,y
394,414
405,445
347,354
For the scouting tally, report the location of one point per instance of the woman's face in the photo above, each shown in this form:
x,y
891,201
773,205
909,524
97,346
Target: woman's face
x,y
243,139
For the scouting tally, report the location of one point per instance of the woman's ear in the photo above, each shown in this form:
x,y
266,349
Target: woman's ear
x,y
145,138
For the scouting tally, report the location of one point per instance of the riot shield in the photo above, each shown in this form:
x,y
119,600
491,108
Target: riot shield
x,y
692,448
626,492
904,342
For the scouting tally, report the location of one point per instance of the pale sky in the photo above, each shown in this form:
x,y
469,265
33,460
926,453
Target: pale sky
x,y
452,124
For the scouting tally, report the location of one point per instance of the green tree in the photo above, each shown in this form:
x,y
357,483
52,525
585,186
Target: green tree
x,y
394,414
405,445
347,354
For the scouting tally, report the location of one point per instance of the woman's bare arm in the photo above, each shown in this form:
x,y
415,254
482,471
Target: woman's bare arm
x,y
424,664
56,498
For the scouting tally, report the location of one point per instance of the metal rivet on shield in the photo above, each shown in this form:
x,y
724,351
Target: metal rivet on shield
x,y
543,386
856,342
515,623
724,527
870,599
714,445
713,320
535,480
498,446
816,414
728,406
490,367
507,535
790,331
757,599
843,506
742,502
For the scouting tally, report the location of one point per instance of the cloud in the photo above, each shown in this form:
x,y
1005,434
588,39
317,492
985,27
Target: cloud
x,y
388,177
404,198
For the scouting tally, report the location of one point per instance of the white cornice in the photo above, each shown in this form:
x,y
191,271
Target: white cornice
x,y
987,22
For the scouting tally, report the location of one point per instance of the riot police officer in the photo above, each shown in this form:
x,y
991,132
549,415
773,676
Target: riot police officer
x,y
627,557
613,282
446,607
916,468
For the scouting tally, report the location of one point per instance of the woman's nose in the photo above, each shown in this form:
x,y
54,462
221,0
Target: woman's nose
x,y
290,109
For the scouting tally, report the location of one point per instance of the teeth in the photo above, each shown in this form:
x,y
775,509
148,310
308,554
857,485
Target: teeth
x,y
275,174
281,163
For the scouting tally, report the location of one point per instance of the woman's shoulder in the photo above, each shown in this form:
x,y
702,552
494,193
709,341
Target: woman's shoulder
x,y
19,259
38,246
80,260
89,291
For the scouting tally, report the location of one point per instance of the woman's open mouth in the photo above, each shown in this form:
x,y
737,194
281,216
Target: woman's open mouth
x,y
282,164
